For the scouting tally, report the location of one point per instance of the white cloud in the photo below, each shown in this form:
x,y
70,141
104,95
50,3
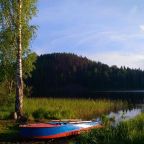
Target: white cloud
x,y
142,28
127,36
131,60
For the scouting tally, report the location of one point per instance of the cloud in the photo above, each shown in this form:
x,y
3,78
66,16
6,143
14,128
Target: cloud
x,y
120,59
141,28
126,36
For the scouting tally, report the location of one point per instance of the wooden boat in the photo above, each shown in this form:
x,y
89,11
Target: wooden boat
x,y
56,129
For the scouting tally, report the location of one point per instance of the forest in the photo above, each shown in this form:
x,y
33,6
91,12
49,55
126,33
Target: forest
x,y
69,74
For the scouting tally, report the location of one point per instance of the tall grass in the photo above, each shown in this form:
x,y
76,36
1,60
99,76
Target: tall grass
x,y
128,132
51,108
58,108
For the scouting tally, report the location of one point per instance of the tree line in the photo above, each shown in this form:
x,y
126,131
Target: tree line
x,y
63,73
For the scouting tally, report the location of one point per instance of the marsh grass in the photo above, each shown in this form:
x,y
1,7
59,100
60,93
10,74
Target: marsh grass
x,y
52,108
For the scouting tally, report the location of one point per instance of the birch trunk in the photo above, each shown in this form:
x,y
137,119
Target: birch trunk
x,y
19,80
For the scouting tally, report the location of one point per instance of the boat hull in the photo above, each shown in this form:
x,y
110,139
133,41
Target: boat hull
x,y
51,131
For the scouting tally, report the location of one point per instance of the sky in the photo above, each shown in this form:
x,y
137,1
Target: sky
x,y
109,31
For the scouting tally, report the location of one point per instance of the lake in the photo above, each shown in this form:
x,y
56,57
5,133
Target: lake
x,y
132,96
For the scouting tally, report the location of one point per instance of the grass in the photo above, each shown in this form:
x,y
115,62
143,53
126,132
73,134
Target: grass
x,y
128,132
50,108
8,130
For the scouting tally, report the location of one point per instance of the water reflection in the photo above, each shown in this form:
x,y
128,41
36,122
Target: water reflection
x,y
123,115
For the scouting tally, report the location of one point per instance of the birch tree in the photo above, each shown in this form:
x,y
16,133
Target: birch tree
x,y
16,34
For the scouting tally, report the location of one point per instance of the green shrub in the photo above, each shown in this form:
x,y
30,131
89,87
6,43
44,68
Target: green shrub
x,y
52,115
39,113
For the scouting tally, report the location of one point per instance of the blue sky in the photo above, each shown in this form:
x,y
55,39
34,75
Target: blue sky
x,y
110,31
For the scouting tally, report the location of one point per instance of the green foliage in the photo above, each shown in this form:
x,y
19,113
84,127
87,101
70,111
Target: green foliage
x,y
28,64
53,115
5,98
39,113
128,132
9,39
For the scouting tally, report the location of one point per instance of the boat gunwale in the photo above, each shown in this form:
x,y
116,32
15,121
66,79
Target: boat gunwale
x,y
53,124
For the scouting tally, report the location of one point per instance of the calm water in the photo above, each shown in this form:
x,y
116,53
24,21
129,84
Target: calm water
x,y
132,96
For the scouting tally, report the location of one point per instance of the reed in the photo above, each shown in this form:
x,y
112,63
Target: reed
x,y
60,108
52,108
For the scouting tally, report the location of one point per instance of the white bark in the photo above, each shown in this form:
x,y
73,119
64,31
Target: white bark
x,y
19,80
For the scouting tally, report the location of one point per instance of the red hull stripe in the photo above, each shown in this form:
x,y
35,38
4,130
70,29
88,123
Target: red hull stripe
x,y
65,134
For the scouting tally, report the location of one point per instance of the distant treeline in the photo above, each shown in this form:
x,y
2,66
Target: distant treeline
x,y
62,73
